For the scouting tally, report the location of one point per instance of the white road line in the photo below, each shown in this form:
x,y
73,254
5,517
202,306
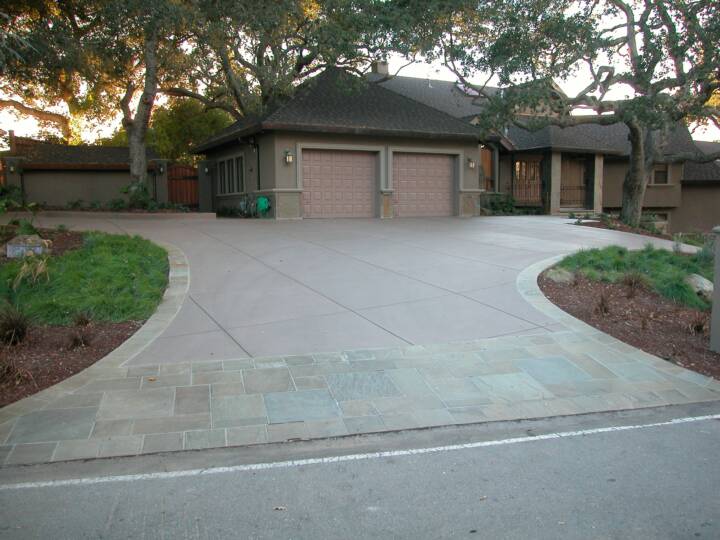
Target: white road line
x,y
343,458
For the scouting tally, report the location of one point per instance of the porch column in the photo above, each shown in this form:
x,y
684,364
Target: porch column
x,y
598,184
205,187
715,321
555,181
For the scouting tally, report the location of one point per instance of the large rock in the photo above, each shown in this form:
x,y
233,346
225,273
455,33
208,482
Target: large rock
x,y
560,275
26,243
703,287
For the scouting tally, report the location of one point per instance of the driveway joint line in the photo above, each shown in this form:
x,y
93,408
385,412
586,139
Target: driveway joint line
x,y
398,273
219,325
308,287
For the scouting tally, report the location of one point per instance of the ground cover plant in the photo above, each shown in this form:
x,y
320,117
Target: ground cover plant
x,y
665,271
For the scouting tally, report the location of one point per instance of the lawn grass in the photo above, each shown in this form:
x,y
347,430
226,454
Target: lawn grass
x,y
664,270
111,278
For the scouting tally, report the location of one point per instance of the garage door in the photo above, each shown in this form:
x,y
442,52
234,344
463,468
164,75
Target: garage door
x,y
423,184
338,183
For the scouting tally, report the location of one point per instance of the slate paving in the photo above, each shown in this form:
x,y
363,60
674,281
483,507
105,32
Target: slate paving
x,y
352,392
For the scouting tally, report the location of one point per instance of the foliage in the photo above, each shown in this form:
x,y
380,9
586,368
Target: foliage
x,y
177,127
117,204
665,271
75,204
14,325
138,194
26,227
32,270
61,228
10,198
116,278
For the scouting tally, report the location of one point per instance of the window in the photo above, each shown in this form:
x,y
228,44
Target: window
x,y
231,176
660,175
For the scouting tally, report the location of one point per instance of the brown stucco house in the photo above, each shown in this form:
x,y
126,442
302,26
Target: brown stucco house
x,y
390,146
56,175
581,168
346,147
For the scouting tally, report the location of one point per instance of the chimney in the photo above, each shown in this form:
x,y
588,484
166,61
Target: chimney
x,y
380,67
11,139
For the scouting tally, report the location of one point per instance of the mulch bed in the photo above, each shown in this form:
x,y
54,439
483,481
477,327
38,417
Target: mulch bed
x,y
62,241
620,226
647,321
48,356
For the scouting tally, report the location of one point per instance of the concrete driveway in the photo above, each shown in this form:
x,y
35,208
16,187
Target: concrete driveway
x,y
353,327
266,288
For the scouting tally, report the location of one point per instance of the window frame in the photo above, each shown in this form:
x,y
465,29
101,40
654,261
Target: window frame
x,y
231,177
663,169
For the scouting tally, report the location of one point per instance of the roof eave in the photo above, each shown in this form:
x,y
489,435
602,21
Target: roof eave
x,y
229,137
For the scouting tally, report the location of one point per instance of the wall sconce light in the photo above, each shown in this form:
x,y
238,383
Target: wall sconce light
x,y
471,163
12,168
288,157
161,169
207,170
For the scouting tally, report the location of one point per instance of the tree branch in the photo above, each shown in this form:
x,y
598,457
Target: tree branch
x,y
209,103
61,121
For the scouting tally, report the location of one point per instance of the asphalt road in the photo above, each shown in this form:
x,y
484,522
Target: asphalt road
x,y
648,482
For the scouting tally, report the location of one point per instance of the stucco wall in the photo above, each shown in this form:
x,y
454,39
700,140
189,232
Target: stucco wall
x,y
665,196
57,188
286,175
700,208
255,161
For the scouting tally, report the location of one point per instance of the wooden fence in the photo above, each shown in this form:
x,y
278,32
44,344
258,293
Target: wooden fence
x,y
183,185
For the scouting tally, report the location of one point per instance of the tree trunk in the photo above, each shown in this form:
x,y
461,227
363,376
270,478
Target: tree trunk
x,y
137,125
635,182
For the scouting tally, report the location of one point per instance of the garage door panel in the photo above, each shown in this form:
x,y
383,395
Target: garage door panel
x,y
343,185
423,184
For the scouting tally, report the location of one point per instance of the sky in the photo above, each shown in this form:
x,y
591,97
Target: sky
x,y
28,127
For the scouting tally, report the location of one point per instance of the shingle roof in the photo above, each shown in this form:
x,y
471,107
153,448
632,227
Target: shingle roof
x,y
40,153
446,96
338,102
449,97
703,172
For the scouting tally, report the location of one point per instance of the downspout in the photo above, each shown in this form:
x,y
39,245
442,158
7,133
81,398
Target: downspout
x,y
256,147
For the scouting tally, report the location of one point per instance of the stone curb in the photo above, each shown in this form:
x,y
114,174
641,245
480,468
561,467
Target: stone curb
x,y
111,364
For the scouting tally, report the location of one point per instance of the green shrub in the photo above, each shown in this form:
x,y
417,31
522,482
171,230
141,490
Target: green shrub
x,y
61,228
26,227
10,198
138,194
76,204
95,205
117,204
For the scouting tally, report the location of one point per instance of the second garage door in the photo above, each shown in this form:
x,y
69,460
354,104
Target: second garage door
x,y
423,184
339,183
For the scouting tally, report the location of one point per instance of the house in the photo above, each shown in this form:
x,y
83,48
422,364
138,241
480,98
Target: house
x,y
346,147
580,168
56,175
391,146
